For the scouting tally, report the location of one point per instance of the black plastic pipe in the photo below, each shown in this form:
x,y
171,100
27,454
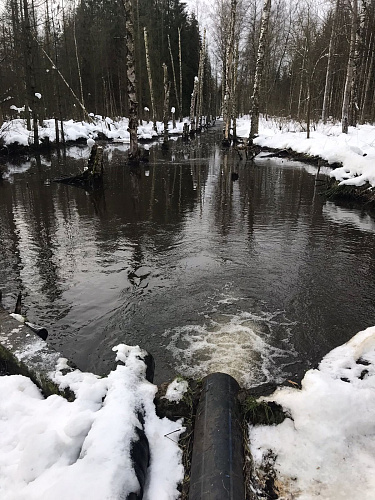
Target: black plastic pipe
x,y
217,462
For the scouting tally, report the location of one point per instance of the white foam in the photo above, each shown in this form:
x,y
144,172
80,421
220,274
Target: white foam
x,y
240,344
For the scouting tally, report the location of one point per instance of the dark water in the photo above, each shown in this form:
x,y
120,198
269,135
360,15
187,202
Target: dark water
x,y
258,277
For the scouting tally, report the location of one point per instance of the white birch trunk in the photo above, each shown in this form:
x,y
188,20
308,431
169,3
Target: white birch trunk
x,y
166,104
131,83
192,105
202,58
148,66
229,73
361,18
349,72
29,72
234,93
366,91
259,69
78,64
180,63
328,84
173,72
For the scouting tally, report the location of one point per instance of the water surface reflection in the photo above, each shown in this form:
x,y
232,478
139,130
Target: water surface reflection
x,y
256,276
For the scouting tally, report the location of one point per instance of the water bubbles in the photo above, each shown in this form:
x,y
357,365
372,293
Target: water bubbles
x,y
243,344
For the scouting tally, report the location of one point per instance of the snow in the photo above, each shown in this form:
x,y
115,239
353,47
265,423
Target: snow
x,y
18,317
54,449
15,131
326,449
326,141
176,390
355,150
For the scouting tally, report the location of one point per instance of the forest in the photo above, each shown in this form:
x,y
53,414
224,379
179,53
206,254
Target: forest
x,y
318,60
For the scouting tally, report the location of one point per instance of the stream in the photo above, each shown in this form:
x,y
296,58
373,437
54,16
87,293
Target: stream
x,y
258,277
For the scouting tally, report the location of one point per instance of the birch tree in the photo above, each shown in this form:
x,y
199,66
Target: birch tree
x,y
173,72
202,59
229,74
349,70
31,101
148,65
368,79
361,18
331,49
193,105
180,64
133,154
167,87
259,69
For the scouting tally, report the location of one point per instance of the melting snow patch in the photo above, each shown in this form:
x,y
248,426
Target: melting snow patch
x,y
327,448
55,449
176,390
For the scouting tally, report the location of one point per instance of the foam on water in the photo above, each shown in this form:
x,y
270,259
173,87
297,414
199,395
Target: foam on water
x,y
251,347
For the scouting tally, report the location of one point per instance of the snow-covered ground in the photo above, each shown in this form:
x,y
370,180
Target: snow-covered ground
x,y
326,141
15,131
52,449
355,150
326,448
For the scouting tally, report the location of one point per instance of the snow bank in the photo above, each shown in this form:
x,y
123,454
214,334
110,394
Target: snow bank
x,y
355,150
327,448
15,131
55,449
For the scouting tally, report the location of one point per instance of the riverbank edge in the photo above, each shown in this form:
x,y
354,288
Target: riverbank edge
x,y
363,195
22,352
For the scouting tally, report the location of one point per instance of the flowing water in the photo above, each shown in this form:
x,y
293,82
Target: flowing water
x,y
258,276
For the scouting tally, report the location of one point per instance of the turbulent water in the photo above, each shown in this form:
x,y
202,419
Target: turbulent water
x,y
257,277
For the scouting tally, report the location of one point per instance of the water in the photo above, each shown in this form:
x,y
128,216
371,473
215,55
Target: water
x,y
257,277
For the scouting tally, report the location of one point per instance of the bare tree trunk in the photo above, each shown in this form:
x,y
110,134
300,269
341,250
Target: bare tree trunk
x,y
349,72
192,105
180,62
328,84
234,93
131,83
229,73
202,58
259,69
29,73
361,17
302,74
173,72
140,108
78,66
369,77
223,88
167,87
308,112
148,65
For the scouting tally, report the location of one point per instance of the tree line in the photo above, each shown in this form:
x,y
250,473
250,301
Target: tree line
x,y
306,60
60,58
